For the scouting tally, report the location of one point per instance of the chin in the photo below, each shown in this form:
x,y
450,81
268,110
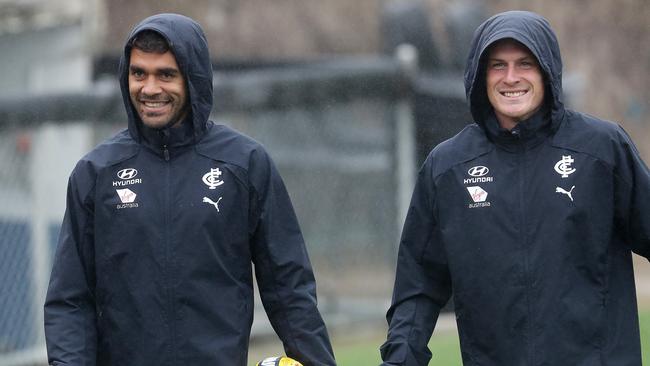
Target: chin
x,y
518,114
154,124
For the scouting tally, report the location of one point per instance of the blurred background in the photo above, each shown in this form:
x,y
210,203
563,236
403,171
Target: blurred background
x,y
347,96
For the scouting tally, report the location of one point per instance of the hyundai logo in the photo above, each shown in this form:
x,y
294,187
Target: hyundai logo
x,y
128,173
478,171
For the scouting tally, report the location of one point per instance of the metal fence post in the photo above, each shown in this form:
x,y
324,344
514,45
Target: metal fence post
x,y
407,57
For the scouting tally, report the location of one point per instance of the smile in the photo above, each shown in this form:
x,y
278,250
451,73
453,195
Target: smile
x,y
514,94
154,104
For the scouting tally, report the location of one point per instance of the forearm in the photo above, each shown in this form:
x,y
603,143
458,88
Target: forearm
x,y
70,332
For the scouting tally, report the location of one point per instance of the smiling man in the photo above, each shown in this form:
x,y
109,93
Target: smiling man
x,y
529,217
164,221
156,85
514,82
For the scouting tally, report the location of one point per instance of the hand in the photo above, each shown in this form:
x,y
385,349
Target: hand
x,y
279,361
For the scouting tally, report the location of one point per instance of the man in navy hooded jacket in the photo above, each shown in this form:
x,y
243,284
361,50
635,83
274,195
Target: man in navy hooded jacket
x,y
163,221
529,217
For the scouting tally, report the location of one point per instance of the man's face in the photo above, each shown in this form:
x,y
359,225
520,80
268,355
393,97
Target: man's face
x,y
157,88
515,86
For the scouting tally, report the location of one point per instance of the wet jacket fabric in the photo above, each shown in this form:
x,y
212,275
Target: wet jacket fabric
x,y
531,230
153,265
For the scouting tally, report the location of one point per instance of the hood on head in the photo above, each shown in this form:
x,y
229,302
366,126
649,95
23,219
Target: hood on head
x,y
531,30
190,47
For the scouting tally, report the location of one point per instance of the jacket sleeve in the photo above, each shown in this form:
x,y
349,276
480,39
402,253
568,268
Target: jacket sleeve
x,y
422,283
282,268
70,331
632,197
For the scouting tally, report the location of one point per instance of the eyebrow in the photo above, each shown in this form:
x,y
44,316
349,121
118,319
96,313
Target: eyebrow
x,y
168,70
532,58
165,70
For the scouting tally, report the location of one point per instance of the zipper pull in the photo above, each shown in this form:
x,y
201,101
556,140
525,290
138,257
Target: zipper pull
x,y
516,133
166,152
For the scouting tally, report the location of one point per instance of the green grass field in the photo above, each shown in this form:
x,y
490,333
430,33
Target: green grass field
x,y
445,348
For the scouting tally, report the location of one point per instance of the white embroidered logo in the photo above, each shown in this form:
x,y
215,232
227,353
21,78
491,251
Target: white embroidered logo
x,y
478,171
128,173
126,195
211,179
561,190
478,175
563,166
215,204
127,177
478,194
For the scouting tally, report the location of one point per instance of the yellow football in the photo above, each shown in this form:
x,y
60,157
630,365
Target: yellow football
x,y
279,361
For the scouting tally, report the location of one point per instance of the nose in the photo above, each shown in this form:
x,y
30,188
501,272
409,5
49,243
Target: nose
x,y
150,86
512,76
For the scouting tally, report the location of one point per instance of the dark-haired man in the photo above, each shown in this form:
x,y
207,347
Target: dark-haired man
x,y
163,221
529,217
162,104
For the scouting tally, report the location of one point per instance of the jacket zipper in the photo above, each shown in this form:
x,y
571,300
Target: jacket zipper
x,y
166,152
168,254
526,250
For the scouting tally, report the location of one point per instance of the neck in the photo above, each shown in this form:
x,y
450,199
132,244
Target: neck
x,y
179,122
176,134
508,123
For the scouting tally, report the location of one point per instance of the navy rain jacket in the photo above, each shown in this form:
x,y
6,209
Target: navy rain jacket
x,y
533,229
153,265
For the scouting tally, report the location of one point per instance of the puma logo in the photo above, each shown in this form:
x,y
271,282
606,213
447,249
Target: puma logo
x,y
561,190
215,204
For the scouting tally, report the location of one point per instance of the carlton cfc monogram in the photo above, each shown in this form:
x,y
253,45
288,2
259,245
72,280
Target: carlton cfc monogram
x,y
211,179
563,166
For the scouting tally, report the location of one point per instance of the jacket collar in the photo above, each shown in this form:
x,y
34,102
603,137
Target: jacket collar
x,y
527,133
168,138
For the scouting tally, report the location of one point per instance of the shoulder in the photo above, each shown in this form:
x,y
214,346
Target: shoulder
x,y
582,125
224,143
467,145
112,151
590,135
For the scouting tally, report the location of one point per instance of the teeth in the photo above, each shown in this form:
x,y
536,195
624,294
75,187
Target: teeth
x,y
154,104
514,94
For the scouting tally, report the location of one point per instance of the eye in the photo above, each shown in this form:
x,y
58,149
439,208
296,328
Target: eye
x,y
498,65
167,75
527,64
138,74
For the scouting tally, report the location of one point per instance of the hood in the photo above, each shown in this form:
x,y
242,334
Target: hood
x,y
534,32
190,47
